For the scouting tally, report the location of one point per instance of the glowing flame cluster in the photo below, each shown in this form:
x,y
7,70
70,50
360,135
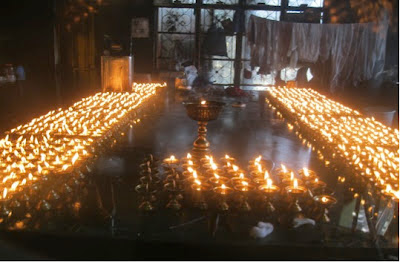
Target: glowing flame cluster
x,y
301,101
368,146
91,117
61,140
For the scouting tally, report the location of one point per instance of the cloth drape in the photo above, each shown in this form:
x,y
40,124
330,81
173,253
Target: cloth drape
x,y
357,51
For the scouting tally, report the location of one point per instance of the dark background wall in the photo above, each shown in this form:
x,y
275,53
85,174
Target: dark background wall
x,y
115,20
26,36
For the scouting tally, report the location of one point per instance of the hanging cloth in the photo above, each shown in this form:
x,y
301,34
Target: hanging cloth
x,y
215,42
357,51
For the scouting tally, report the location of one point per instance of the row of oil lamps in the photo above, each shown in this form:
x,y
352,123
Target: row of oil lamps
x,y
91,117
62,145
206,185
369,148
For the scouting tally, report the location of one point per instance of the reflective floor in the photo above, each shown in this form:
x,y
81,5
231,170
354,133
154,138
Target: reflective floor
x,y
110,214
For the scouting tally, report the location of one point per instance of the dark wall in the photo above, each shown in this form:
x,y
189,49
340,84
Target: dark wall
x,y
115,20
26,36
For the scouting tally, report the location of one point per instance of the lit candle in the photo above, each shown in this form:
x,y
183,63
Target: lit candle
x,y
171,160
223,189
217,179
307,174
227,159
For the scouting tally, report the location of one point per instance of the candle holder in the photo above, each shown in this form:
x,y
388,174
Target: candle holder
x,y
202,112
316,183
226,159
289,181
175,196
210,172
307,174
218,180
205,159
5,211
173,175
149,179
153,161
261,180
222,193
171,161
265,164
295,192
198,191
187,158
283,172
324,202
322,191
187,174
239,180
235,171
269,191
243,191
148,168
192,165
147,197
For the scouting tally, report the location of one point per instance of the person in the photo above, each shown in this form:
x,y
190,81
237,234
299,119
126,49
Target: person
x,y
190,72
20,77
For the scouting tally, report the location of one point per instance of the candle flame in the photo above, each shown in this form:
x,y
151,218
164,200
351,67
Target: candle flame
x,y
4,193
324,199
188,156
295,183
74,158
14,186
258,159
198,182
23,182
214,166
283,168
269,183
194,174
241,176
22,168
223,186
227,156
245,183
172,158
305,172
266,175
259,169
235,168
190,163
216,176
65,167
190,169
203,102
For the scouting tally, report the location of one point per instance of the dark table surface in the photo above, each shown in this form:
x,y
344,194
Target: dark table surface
x,y
110,226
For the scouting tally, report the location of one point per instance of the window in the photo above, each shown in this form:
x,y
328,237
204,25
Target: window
x,y
309,3
225,2
265,2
